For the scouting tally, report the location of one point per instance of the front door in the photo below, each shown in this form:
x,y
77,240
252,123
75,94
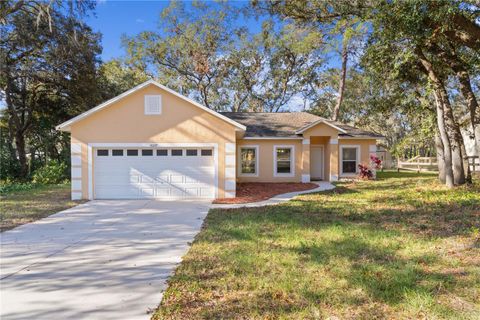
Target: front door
x,y
316,162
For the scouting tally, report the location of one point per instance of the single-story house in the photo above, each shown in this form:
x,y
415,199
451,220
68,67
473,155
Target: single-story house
x,y
152,142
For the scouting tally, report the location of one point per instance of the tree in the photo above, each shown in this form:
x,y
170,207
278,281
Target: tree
x,y
115,77
401,44
188,53
48,68
204,54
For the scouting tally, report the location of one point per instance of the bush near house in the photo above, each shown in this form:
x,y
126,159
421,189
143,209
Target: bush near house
x,y
401,247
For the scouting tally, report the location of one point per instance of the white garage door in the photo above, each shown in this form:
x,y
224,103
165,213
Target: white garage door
x,y
161,173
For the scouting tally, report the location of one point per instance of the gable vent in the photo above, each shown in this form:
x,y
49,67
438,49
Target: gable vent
x,y
153,105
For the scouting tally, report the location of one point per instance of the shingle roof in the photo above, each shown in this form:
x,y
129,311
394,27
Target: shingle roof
x,y
285,124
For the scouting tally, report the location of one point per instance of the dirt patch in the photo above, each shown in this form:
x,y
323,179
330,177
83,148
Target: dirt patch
x,y
254,192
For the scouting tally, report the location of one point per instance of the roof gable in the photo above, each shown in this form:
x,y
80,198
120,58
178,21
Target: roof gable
x,y
319,122
66,125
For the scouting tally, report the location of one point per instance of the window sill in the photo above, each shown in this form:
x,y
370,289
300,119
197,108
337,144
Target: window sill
x,y
284,175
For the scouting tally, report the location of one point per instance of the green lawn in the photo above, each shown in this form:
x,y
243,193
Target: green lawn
x,y
402,247
20,207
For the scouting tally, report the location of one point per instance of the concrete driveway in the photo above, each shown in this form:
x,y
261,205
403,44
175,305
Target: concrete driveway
x,y
99,260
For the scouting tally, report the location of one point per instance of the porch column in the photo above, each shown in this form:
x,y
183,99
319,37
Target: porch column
x,y
230,172
305,160
334,170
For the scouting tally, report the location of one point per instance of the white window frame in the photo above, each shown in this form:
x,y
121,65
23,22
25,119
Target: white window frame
x,y
145,109
257,157
343,146
292,161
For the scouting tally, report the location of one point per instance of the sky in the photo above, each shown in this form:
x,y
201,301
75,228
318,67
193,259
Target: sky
x,y
114,18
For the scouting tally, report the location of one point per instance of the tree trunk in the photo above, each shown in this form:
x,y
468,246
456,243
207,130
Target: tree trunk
x,y
452,138
440,158
447,150
467,92
341,87
22,154
456,138
466,165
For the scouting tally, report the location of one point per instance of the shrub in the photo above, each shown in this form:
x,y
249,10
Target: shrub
x,y
52,173
365,172
376,162
7,186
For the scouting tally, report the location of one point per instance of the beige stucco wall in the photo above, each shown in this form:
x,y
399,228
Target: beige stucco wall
x,y
321,130
265,158
125,122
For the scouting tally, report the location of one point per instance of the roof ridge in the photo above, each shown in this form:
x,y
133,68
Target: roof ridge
x,y
266,112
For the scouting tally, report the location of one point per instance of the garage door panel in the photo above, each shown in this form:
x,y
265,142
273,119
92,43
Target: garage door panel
x,y
162,192
192,192
207,193
117,192
162,177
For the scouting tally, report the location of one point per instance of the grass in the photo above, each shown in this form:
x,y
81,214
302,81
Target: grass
x,y
24,206
401,247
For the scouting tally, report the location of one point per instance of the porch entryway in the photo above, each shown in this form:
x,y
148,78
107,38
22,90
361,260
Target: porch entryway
x,y
317,161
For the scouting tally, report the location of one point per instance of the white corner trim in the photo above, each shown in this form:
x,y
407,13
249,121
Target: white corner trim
x,y
90,171
257,160
229,173
230,160
292,161
230,185
76,184
76,160
76,172
76,148
229,147
356,146
76,195
313,124
306,141
372,148
66,125
229,194
333,141
305,178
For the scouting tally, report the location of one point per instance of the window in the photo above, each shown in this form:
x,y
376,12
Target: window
x,y
147,152
284,164
102,152
206,152
191,152
117,152
248,160
177,152
132,152
349,158
153,105
162,152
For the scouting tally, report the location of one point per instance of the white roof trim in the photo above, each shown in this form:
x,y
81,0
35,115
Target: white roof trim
x,y
272,138
66,125
359,138
313,124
